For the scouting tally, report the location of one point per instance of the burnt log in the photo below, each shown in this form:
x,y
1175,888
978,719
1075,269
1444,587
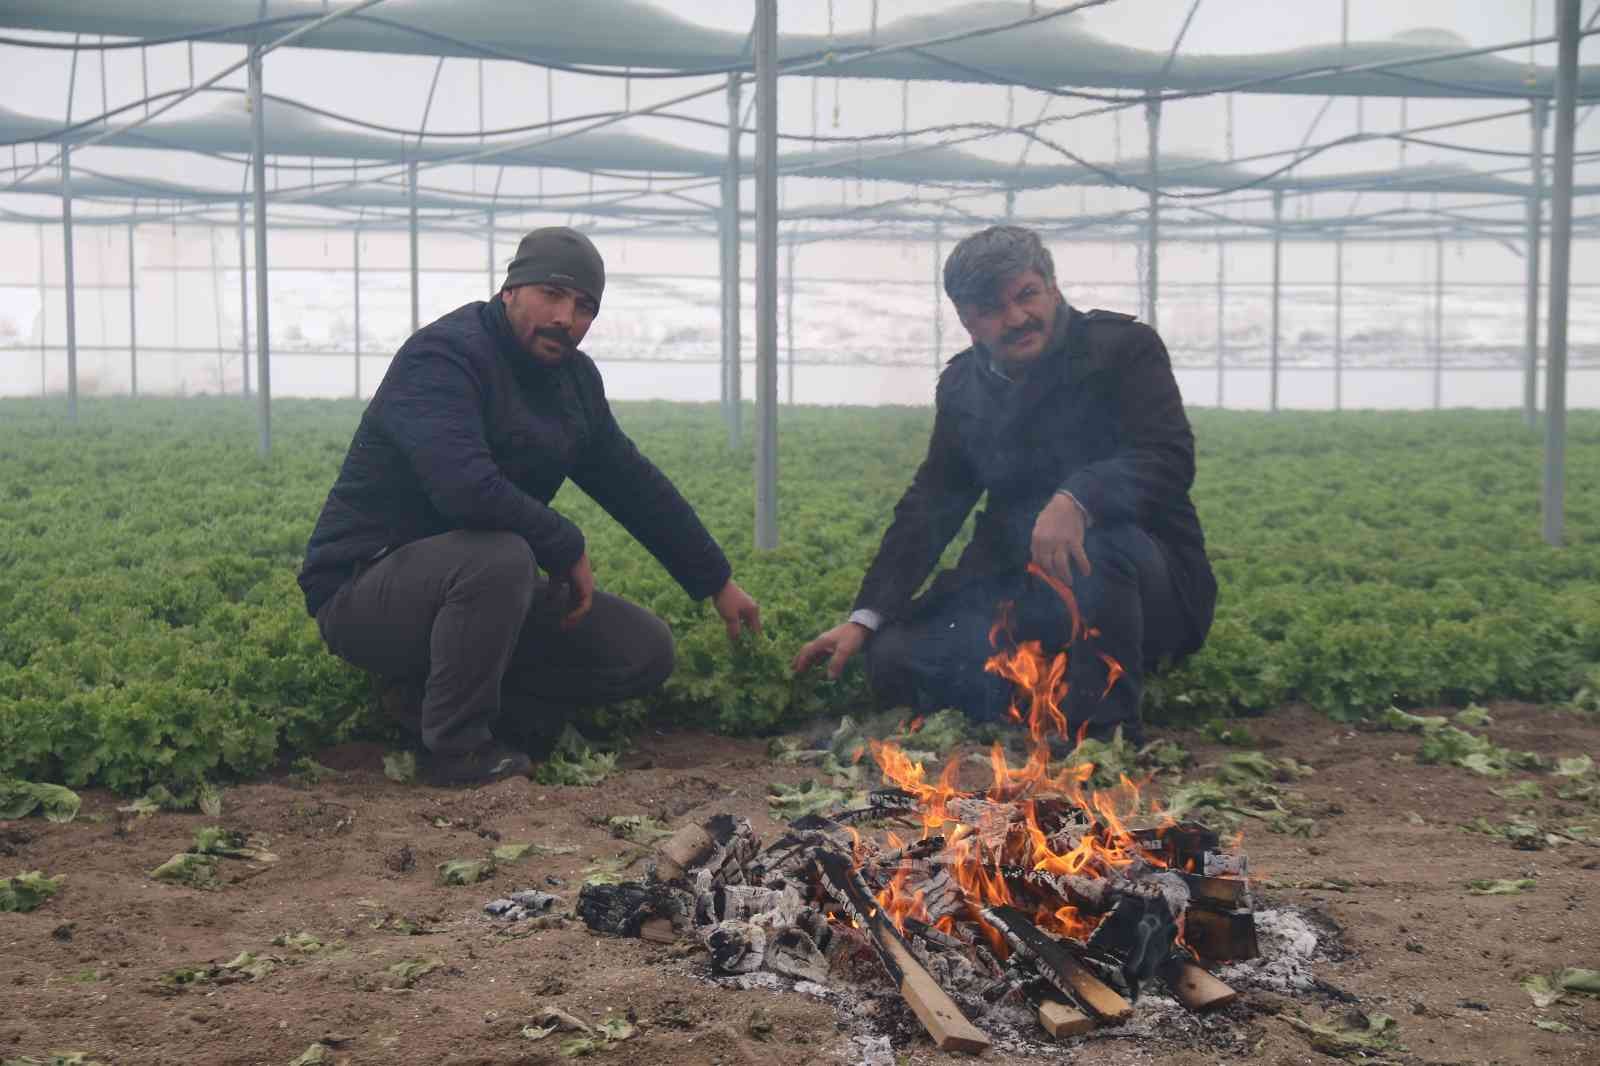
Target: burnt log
x,y
1230,893
722,843
1137,936
938,1013
621,909
1058,965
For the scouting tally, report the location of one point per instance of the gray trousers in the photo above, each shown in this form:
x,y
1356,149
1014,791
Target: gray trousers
x,y
467,615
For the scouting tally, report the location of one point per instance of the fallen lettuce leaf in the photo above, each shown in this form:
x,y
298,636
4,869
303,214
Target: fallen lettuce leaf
x,y
615,1027
1576,766
639,828
315,1055
1488,887
1473,717
187,868
794,801
407,973
1354,1034
537,1032
1543,990
1521,791
26,891
1550,1025
20,798
1573,979
1163,755
465,871
302,942
573,762
400,766
577,1047
1401,722
208,798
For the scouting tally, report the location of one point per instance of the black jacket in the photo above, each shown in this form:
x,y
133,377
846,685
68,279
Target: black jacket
x,y
1099,416
469,432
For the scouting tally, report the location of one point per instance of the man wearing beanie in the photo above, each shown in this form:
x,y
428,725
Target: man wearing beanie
x,y
424,566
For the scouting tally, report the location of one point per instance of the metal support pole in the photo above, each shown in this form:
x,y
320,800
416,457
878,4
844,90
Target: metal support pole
x,y
1338,324
216,304
44,305
1538,115
71,284
1438,323
489,243
258,166
788,315
1222,332
766,49
355,249
731,356
411,197
133,319
1277,285
938,295
1555,401
244,305
1152,120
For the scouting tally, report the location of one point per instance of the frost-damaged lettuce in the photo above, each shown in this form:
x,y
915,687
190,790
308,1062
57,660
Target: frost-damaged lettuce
x,y
19,798
26,891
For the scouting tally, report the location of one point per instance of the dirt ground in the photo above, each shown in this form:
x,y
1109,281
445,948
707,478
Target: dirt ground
x,y
357,871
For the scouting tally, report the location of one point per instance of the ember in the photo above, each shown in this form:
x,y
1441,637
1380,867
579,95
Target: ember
x,y
1036,889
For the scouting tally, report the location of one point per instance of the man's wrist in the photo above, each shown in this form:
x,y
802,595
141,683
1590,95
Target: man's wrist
x,y
866,618
1083,512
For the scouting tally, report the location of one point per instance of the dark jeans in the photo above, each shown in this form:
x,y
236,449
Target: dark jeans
x,y
934,658
468,612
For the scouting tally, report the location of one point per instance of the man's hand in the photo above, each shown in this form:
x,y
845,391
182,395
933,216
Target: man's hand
x,y
737,609
1058,539
579,582
837,645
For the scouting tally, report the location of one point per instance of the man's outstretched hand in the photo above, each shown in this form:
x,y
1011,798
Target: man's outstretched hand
x,y
1058,539
837,645
738,610
579,582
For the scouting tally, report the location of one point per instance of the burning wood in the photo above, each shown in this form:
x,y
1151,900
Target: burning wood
x,y
1037,889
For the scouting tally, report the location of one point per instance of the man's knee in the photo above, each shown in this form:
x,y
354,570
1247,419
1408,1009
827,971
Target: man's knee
x,y
651,655
497,560
888,661
1115,551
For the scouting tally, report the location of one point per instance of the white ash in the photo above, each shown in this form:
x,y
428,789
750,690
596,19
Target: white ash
x,y
1288,946
871,1051
529,903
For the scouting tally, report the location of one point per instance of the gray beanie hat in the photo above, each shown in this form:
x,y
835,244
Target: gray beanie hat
x,y
560,255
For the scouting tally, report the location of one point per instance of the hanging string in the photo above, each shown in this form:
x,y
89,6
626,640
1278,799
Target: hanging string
x,y
1227,103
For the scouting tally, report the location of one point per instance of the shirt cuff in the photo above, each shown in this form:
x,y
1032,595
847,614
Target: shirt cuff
x,y
866,616
1083,512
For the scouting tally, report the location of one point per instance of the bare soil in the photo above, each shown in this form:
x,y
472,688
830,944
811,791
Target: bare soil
x,y
357,865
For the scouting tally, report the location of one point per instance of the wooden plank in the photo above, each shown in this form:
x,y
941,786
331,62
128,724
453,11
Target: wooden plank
x,y
1222,891
1060,967
658,931
946,1025
1195,987
1060,1020
682,851
1218,935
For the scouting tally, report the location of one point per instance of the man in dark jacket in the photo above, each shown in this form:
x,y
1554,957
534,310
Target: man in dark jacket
x,y
1073,425
424,564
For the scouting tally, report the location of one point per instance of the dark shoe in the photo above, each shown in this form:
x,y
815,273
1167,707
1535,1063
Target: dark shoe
x,y
490,762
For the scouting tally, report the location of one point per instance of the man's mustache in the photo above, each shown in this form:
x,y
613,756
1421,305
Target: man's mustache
x,y
1019,334
555,333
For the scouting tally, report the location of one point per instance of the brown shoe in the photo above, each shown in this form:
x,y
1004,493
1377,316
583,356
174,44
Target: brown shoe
x,y
489,762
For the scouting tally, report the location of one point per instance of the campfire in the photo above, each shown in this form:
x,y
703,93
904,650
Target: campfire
x,y
1035,890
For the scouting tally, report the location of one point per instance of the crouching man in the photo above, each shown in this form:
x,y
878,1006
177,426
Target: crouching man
x,y
424,566
1073,425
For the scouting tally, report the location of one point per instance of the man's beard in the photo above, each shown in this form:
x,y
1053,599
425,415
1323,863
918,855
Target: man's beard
x,y
555,335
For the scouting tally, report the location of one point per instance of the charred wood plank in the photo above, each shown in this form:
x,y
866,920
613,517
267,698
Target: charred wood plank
x,y
1227,892
1058,964
946,1025
1194,986
1219,935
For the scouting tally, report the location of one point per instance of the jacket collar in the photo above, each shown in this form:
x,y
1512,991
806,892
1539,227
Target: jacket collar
x,y
523,366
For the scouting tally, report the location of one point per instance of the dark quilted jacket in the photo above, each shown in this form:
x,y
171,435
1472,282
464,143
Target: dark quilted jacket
x,y
468,432
1101,416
